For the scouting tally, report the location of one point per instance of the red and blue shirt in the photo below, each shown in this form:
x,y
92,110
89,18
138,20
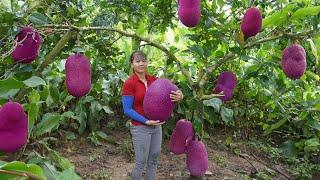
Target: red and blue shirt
x,y
133,86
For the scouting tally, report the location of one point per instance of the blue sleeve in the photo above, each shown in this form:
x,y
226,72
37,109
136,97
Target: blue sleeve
x,y
127,103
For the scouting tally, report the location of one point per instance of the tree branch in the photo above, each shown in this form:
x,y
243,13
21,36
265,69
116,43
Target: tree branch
x,y
210,96
55,51
133,35
205,76
229,56
50,57
21,174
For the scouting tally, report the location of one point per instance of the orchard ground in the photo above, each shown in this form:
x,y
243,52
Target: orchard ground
x,y
114,158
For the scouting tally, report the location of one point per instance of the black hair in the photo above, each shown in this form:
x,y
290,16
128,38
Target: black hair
x,y
137,52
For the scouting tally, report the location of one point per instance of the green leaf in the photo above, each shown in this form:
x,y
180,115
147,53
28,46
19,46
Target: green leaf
x,y
2,163
289,149
62,162
107,110
32,115
38,19
34,81
34,96
54,92
9,87
68,175
68,114
314,51
317,107
70,135
214,102
278,18
312,145
102,135
196,49
303,12
275,126
48,122
49,170
49,101
32,169
210,115
198,125
227,116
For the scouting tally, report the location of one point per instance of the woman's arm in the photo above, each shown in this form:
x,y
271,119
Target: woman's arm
x,y
127,104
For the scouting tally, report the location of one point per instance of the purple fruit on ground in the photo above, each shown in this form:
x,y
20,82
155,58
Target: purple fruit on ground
x,y
294,61
78,75
181,132
189,12
197,158
157,103
13,127
28,45
252,22
227,79
227,92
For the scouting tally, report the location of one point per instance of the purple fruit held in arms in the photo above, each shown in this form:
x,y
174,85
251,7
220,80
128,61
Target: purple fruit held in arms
x,y
157,104
227,92
78,75
13,127
294,61
189,12
227,79
252,22
181,132
28,45
197,158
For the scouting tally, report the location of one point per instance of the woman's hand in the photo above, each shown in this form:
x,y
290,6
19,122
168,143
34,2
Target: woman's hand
x,y
154,123
176,95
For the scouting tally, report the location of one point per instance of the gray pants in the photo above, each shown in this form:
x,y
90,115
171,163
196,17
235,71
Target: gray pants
x,y
147,147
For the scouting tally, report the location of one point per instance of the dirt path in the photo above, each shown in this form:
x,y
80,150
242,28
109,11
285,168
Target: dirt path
x,y
112,161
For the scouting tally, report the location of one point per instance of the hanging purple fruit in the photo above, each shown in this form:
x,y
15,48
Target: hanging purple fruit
x,y
78,75
28,43
189,12
252,22
294,61
226,82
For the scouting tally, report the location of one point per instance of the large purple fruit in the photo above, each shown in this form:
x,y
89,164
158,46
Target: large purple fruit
x,y
78,75
189,12
227,79
227,92
181,132
13,127
293,61
197,158
28,45
157,104
252,22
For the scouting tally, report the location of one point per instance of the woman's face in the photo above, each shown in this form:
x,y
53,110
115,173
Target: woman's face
x,y
139,63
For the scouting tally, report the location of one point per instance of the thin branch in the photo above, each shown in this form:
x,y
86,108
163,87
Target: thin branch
x,y
290,35
267,165
224,59
21,174
55,51
133,35
210,96
229,56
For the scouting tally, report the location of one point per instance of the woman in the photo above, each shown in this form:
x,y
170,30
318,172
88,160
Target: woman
x,y
146,133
